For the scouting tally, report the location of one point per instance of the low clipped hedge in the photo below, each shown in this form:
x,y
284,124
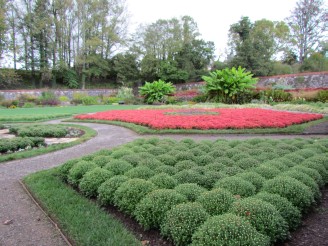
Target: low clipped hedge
x,y
9,145
260,187
46,131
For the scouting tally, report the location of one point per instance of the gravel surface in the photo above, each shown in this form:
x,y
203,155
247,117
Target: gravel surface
x,y
22,223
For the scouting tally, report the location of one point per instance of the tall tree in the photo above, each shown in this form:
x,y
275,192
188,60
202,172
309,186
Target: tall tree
x,y
308,24
3,28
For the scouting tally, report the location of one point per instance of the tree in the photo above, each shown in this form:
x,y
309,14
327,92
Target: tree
x,y
3,27
308,25
126,68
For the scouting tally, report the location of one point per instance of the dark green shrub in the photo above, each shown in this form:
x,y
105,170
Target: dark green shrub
x,y
287,210
129,194
216,153
157,151
228,229
216,201
232,171
151,210
323,96
266,171
320,159
166,169
56,131
276,164
63,170
167,159
182,221
247,163
314,174
199,169
225,161
107,189
91,181
118,167
295,157
156,91
217,167
119,153
164,181
204,147
185,165
305,179
151,163
209,178
237,186
305,153
190,190
102,160
204,160
273,95
133,159
317,166
185,155
140,172
295,191
187,176
263,216
256,179
239,155
197,152
77,171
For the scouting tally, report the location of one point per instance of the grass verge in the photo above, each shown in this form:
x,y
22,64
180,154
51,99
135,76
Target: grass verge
x,y
78,217
48,113
88,133
293,129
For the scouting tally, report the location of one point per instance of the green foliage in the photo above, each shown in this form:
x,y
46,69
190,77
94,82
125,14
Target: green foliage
x,y
228,229
295,191
273,95
70,77
237,186
151,210
167,159
118,167
8,145
141,172
287,210
314,174
166,169
263,216
323,96
182,221
266,171
209,178
224,85
77,171
256,179
164,181
156,91
125,93
107,189
185,165
190,190
102,160
9,78
46,131
129,194
64,169
187,176
216,201
91,181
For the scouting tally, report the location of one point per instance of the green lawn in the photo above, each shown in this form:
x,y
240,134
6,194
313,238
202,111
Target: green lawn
x,y
48,113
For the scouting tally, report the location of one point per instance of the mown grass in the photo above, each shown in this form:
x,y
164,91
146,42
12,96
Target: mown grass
x,y
293,129
88,133
48,113
77,216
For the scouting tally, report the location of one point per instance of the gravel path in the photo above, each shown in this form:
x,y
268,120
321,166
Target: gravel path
x,y
28,225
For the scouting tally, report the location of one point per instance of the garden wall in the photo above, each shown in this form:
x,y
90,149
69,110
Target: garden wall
x,y
12,94
297,81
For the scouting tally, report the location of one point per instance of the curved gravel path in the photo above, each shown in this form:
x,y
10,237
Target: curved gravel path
x,y
28,225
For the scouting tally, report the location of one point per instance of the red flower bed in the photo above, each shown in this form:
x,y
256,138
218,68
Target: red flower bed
x,y
205,119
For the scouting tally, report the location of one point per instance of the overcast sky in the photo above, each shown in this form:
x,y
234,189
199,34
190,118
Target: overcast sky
x,y
213,17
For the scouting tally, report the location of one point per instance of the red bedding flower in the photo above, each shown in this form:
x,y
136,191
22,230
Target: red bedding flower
x,y
223,118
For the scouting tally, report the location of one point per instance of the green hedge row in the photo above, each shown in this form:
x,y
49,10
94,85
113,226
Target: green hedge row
x,y
9,145
250,192
45,131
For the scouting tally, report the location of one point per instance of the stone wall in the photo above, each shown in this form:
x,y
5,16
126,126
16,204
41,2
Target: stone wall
x,y
12,94
296,81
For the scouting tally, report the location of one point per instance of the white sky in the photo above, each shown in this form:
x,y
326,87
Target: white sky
x,y
213,17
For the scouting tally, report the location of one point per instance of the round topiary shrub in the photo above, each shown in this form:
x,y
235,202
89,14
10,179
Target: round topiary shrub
x,y
185,165
204,160
204,147
216,201
184,155
182,221
187,176
266,171
140,172
190,190
263,216
228,229
295,191
198,152
164,181
129,194
166,169
312,173
119,153
287,210
321,159
226,161
151,210
151,163
295,157
133,159
239,156
310,163
118,167
256,179
216,153
102,160
91,181
232,171
64,169
247,163
305,153
276,164
305,179
167,159
78,170
107,189
209,178
217,167
237,186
